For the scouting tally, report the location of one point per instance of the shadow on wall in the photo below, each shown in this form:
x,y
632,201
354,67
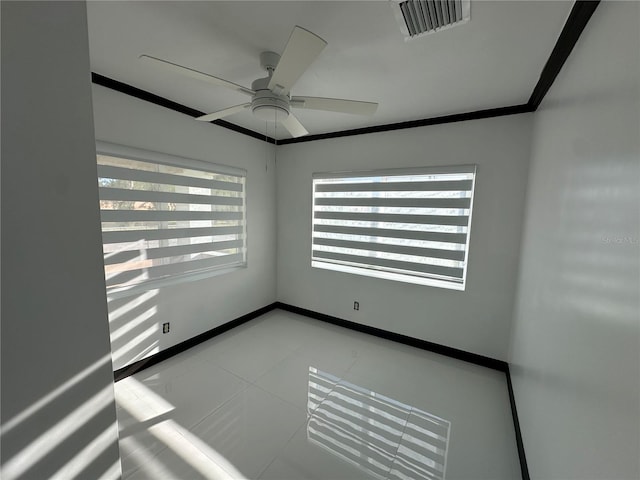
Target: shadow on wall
x,y
133,324
75,435
134,327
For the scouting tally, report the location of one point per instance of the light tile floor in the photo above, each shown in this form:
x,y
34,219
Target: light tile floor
x,y
288,397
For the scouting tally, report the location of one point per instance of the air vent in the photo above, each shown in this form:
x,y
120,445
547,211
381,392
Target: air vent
x,y
421,17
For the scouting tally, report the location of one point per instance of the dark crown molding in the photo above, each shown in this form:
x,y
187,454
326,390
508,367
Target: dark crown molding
x,y
171,105
458,117
576,22
573,27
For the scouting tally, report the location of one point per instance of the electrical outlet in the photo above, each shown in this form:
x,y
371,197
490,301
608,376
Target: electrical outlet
x,y
356,305
165,327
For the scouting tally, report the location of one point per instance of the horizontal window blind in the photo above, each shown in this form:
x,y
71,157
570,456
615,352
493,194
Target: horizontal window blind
x,y
163,220
407,225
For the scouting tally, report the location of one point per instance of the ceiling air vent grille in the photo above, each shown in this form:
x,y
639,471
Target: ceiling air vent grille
x,y
421,17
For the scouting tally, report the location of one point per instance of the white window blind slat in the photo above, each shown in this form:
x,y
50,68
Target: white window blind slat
x,y
106,171
126,236
461,220
166,216
166,197
432,186
397,172
407,225
463,203
458,238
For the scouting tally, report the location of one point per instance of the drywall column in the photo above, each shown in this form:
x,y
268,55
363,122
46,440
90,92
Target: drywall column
x,y
576,340
57,406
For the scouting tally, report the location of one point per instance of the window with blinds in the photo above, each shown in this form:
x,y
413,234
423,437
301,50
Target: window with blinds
x,y
407,225
166,218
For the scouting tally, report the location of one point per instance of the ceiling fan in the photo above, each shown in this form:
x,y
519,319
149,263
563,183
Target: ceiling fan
x,y
270,96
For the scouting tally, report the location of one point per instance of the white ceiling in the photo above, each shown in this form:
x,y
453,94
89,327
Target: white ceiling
x,y
492,61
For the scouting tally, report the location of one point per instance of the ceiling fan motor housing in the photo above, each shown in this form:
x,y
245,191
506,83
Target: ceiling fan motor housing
x,y
266,105
270,97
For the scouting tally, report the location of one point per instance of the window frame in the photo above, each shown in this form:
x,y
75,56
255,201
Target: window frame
x,y
149,156
380,272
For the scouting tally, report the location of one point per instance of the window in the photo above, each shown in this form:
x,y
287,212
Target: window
x,y
404,225
166,218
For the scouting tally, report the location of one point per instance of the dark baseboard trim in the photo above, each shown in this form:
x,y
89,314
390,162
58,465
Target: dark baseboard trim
x,y
474,358
396,337
171,105
524,469
573,27
124,372
432,347
451,352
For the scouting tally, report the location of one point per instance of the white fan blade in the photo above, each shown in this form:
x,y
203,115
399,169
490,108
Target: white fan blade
x,y
302,49
196,74
354,107
223,113
293,125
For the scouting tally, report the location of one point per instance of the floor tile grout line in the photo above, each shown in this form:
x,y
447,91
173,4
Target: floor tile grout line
x,y
282,449
215,410
278,397
272,368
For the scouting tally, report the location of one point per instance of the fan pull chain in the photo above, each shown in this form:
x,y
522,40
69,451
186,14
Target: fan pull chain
x,y
266,139
275,140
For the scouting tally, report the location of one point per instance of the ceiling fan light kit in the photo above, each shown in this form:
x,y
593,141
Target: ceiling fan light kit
x,y
270,107
270,96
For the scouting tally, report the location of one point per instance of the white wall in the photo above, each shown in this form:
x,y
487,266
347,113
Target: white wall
x,y
192,307
476,320
57,380
576,338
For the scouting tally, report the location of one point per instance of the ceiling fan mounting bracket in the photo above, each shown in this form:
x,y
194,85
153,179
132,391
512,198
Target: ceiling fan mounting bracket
x,y
269,61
